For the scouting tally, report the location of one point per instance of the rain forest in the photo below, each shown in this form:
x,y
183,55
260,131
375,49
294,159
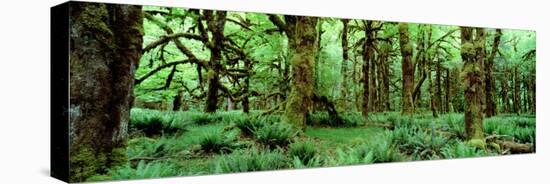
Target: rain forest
x,y
159,92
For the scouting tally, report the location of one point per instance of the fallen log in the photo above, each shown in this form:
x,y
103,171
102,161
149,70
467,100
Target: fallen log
x,y
515,147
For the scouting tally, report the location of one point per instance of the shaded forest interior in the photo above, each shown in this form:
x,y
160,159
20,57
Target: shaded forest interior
x,y
192,92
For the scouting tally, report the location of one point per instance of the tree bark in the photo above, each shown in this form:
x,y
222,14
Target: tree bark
x,y
516,147
368,55
407,67
176,104
216,25
489,78
299,101
105,49
470,50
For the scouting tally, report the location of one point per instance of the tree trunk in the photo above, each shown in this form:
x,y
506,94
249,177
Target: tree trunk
x,y
432,95
344,66
367,58
533,93
407,67
245,102
216,24
516,98
176,104
386,81
504,93
489,78
447,91
373,83
230,104
438,91
384,78
303,69
471,48
105,49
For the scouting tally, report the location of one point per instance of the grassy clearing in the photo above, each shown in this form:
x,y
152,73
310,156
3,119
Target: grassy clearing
x,y
193,143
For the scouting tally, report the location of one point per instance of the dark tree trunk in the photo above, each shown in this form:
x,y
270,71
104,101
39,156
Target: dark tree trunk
x,y
489,78
176,104
367,58
471,48
105,48
216,25
407,67
299,101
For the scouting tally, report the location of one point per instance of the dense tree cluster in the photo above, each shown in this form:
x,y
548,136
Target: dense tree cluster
x,y
271,62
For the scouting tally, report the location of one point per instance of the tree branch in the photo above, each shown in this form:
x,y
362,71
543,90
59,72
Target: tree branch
x,y
278,22
168,30
152,72
168,38
239,23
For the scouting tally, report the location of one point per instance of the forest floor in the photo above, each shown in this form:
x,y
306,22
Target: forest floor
x,y
164,143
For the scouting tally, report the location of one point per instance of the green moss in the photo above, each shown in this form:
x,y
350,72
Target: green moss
x,y
99,178
468,49
495,146
85,162
210,74
478,143
93,17
118,157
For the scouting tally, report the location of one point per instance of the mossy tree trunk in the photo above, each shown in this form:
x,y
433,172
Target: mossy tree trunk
x,y
216,25
368,58
384,76
490,109
105,48
471,53
407,68
302,62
